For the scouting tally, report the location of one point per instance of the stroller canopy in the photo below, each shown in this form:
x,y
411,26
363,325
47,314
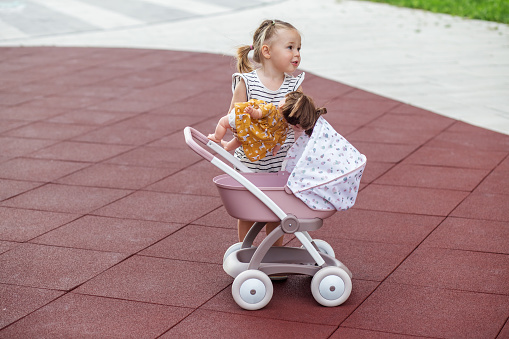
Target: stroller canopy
x,y
325,169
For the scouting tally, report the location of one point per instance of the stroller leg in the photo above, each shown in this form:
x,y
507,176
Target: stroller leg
x,y
311,248
271,226
308,237
264,247
252,233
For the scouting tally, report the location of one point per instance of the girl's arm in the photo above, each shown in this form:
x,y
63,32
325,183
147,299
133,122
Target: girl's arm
x,y
240,94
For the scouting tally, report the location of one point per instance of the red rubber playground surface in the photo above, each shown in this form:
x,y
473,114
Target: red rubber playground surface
x,y
111,227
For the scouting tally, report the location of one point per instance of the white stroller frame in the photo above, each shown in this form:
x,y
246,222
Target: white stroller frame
x,y
251,266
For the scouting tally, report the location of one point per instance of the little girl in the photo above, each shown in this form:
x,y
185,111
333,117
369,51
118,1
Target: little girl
x,y
261,129
276,47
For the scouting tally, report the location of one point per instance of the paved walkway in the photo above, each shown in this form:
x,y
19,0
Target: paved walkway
x,y
454,67
110,227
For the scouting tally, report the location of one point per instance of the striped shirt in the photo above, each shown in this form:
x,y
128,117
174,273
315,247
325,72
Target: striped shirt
x,y
256,90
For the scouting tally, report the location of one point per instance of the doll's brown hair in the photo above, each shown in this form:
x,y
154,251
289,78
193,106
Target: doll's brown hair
x,y
299,109
266,31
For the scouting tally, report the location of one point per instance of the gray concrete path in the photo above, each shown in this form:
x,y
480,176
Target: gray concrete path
x,y
452,66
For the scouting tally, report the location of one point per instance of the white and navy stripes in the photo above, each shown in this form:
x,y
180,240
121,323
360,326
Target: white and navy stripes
x,y
270,163
256,90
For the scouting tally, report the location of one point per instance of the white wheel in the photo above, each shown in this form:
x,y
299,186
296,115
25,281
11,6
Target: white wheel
x,y
324,247
252,290
331,286
231,249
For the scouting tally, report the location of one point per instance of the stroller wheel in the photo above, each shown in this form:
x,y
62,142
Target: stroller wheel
x,y
252,290
323,247
331,286
231,249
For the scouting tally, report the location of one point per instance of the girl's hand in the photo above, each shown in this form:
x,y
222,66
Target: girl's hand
x,y
276,149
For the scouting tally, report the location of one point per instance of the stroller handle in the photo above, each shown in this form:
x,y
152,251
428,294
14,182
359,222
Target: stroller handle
x,y
189,133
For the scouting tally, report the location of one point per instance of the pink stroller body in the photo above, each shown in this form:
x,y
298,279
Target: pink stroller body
x,y
266,197
240,203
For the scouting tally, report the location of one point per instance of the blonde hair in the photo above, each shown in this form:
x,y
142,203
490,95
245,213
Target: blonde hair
x,y
300,109
264,33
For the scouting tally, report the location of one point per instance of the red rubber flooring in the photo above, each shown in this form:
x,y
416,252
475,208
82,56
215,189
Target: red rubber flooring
x,y
111,227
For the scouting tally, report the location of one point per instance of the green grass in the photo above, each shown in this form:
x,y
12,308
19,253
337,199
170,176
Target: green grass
x,y
489,10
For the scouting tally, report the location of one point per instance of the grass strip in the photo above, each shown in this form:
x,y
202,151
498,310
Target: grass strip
x,y
488,10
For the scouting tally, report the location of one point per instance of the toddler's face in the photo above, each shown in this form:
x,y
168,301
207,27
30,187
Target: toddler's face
x,y
285,50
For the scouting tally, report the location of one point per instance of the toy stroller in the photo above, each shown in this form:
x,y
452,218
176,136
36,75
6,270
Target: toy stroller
x,y
294,199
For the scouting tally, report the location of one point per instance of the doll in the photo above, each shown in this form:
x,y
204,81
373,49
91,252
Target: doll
x,y
259,128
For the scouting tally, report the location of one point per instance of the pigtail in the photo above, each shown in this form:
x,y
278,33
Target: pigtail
x,y
243,63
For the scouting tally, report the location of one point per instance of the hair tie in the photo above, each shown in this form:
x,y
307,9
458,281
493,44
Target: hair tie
x,y
273,22
251,47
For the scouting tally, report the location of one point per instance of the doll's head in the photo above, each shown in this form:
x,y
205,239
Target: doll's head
x,y
266,33
299,110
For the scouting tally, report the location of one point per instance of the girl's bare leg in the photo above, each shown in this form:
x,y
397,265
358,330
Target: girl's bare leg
x,y
269,228
244,226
